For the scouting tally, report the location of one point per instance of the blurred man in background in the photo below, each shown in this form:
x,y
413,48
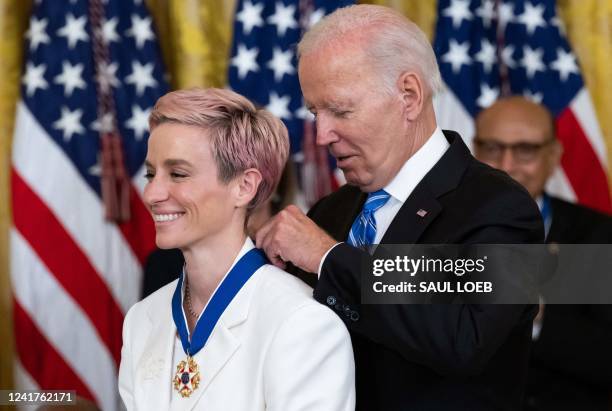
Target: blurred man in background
x,y
571,361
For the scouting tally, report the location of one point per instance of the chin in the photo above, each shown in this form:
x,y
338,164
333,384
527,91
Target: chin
x,y
166,243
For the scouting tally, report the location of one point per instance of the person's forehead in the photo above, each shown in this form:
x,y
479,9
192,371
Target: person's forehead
x,y
516,123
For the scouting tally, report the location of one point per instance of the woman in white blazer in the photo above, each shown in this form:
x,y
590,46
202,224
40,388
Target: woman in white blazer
x,y
233,332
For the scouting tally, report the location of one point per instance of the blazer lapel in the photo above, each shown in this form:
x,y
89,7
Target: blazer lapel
x,y
419,210
220,347
422,206
155,369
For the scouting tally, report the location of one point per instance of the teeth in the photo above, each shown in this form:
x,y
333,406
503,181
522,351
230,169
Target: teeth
x,y
166,217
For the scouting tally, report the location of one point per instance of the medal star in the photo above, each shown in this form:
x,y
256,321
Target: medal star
x,y
70,78
279,106
532,17
505,15
107,76
245,60
506,56
69,123
140,30
458,11
283,18
139,122
37,33
488,95
486,56
250,16
532,61
565,64
457,55
141,77
74,30
34,78
281,63
486,12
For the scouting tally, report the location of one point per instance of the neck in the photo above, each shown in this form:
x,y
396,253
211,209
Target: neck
x,y
207,264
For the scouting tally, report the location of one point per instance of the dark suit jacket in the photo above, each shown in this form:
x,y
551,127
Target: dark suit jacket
x,y
435,357
161,268
571,361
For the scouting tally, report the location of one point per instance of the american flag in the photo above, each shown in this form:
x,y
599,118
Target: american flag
x,y
263,67
489,48
91,76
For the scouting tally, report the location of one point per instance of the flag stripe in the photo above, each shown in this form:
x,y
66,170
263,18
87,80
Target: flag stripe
x,y
76,273
62,255
560,185
585,115
452,115
79,209
591,189
41,360
79,343
139,231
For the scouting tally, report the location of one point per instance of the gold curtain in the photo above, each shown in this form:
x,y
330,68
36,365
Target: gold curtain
x,y
14,15
589,27
195,38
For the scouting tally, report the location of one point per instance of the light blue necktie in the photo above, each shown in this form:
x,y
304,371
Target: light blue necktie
x,y
363,231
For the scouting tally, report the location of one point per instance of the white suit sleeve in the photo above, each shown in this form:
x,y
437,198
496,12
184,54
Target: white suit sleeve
x,y
310,365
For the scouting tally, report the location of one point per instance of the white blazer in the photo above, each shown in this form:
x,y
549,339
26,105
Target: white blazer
x,y
274,348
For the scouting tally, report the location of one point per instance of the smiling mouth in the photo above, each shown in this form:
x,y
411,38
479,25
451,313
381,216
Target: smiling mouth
x,y
162,218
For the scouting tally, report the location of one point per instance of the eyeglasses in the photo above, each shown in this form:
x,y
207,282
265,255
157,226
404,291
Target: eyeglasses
x,y
521,152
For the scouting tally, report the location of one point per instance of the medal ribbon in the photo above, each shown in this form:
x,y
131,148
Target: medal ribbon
x,y
227,290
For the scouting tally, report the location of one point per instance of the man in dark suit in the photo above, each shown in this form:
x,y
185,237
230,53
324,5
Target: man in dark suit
x,y
368,75
571,361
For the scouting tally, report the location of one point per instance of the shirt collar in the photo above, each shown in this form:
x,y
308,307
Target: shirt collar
x,y
417,166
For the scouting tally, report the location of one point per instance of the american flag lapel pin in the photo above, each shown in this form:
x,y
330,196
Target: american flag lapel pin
x,y
422,213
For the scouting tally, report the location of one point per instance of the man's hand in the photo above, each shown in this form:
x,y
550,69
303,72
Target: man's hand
x,y
291,236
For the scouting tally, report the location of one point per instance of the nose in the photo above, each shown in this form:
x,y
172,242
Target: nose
x,y
155,191
507,162
326,134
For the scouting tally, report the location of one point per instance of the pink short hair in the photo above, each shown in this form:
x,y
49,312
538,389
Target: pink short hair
x,y
241,135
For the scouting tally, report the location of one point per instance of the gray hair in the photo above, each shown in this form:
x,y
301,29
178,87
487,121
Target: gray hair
x,y
393,44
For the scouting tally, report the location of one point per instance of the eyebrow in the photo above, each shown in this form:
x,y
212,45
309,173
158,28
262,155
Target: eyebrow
x,y
171,162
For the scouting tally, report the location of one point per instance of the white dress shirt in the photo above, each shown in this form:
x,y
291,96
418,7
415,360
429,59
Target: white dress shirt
x,y
404,183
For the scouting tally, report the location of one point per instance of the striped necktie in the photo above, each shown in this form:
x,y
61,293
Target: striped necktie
x,y
363,230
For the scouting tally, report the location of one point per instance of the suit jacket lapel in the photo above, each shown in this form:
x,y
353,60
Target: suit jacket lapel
x,y
422,206
419,210
153,373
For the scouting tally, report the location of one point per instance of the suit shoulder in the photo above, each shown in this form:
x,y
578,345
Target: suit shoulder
x,y
577,211
345,195
281,294
579,223
161,297
496,191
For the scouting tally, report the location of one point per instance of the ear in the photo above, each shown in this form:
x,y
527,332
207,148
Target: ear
x,y
246,186
413,94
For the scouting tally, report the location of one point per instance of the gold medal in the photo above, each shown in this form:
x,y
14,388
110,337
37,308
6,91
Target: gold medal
x,y
187,377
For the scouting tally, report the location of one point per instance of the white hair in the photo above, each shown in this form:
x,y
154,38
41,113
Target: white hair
x,y
393,43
